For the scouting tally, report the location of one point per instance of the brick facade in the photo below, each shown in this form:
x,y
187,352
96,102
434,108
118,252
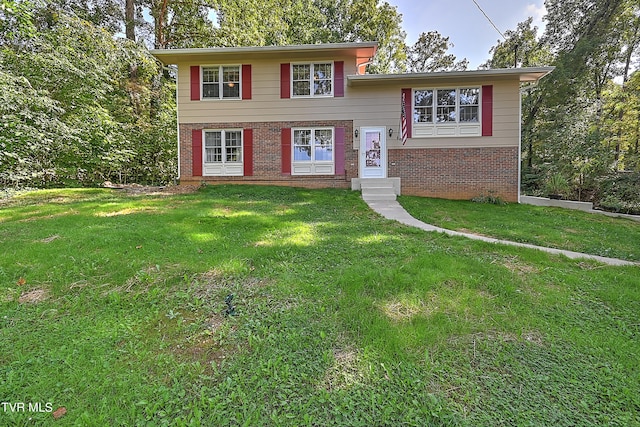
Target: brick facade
x,y
267,167
457,173
451,173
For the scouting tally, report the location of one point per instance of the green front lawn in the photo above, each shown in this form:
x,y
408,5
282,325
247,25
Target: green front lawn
x,y
544,226
112,306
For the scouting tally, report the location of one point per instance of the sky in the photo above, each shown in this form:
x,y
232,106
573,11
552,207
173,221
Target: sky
x,y
465,25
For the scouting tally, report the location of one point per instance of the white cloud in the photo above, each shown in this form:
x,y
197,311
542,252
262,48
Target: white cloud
x,y
537,12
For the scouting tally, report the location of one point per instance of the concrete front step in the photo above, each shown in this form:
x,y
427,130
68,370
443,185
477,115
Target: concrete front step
x,y
379,189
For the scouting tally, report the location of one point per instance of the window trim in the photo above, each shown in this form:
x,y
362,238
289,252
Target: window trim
x,y
220,96
224,167
311,72
455,128
313,166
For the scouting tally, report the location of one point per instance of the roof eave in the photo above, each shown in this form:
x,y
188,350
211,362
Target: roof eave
x,y
530,74
173,56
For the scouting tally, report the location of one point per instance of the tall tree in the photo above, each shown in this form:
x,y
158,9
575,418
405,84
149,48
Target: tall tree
x,y
278,22
429,54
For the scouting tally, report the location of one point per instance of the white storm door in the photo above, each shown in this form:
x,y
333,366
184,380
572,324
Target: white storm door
x,y
373,153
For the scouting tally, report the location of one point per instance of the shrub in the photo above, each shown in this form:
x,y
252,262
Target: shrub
x,y
620,192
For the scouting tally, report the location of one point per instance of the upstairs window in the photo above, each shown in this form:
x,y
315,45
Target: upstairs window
x,y
433,106
310,80
221,82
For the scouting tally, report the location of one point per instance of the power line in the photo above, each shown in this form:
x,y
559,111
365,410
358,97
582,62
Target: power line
x,y
489,19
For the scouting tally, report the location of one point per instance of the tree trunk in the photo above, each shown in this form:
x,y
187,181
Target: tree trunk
x,y
129,19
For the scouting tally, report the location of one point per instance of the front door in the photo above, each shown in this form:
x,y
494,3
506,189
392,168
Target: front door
x,y
373,153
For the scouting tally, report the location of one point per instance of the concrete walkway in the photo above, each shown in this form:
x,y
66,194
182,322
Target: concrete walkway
x,y
391,209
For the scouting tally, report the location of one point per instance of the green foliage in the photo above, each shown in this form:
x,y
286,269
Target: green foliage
x,y
77,110
557,184
489,198
273,22
429,54
343,318
620,192
16,21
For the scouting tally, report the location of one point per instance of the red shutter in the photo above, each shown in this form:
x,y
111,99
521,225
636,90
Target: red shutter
x,y
286,151
195,83
408,110
285,80
338,90
196,152
487,110
246,82
248,152
339,151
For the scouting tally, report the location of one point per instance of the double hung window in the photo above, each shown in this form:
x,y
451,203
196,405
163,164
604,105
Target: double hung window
x,y
310,80
223,152
221,82
313,151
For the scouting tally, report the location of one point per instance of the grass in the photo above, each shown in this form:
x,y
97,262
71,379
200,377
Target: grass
x,y
112,307
544,226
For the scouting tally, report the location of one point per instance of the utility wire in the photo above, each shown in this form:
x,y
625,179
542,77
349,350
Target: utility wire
x,y
489,19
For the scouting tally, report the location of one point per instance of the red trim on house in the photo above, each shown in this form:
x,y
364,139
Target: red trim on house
x,y
286,151
338,90
339,151
248,151
408,96
285,80
196,152
195,83
487,110
246,82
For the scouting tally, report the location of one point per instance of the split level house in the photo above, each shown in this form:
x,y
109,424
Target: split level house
x,y
309,115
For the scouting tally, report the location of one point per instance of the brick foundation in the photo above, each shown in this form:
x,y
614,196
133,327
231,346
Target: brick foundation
x,y
457,173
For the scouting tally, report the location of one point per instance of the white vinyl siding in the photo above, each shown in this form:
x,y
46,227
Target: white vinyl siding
x,y
373,105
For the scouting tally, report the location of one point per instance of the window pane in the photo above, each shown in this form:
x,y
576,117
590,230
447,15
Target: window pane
x,y
213,139
211,90
469,96
322,87
446,110
213,147
302,137
301,72
301,80
468,114
301,88
323,145
423,106
302,145
322,76
233,146
231,82
423,98
302,153
210,75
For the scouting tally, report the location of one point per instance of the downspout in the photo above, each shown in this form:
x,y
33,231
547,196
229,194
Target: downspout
x,y
178,123
519,141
